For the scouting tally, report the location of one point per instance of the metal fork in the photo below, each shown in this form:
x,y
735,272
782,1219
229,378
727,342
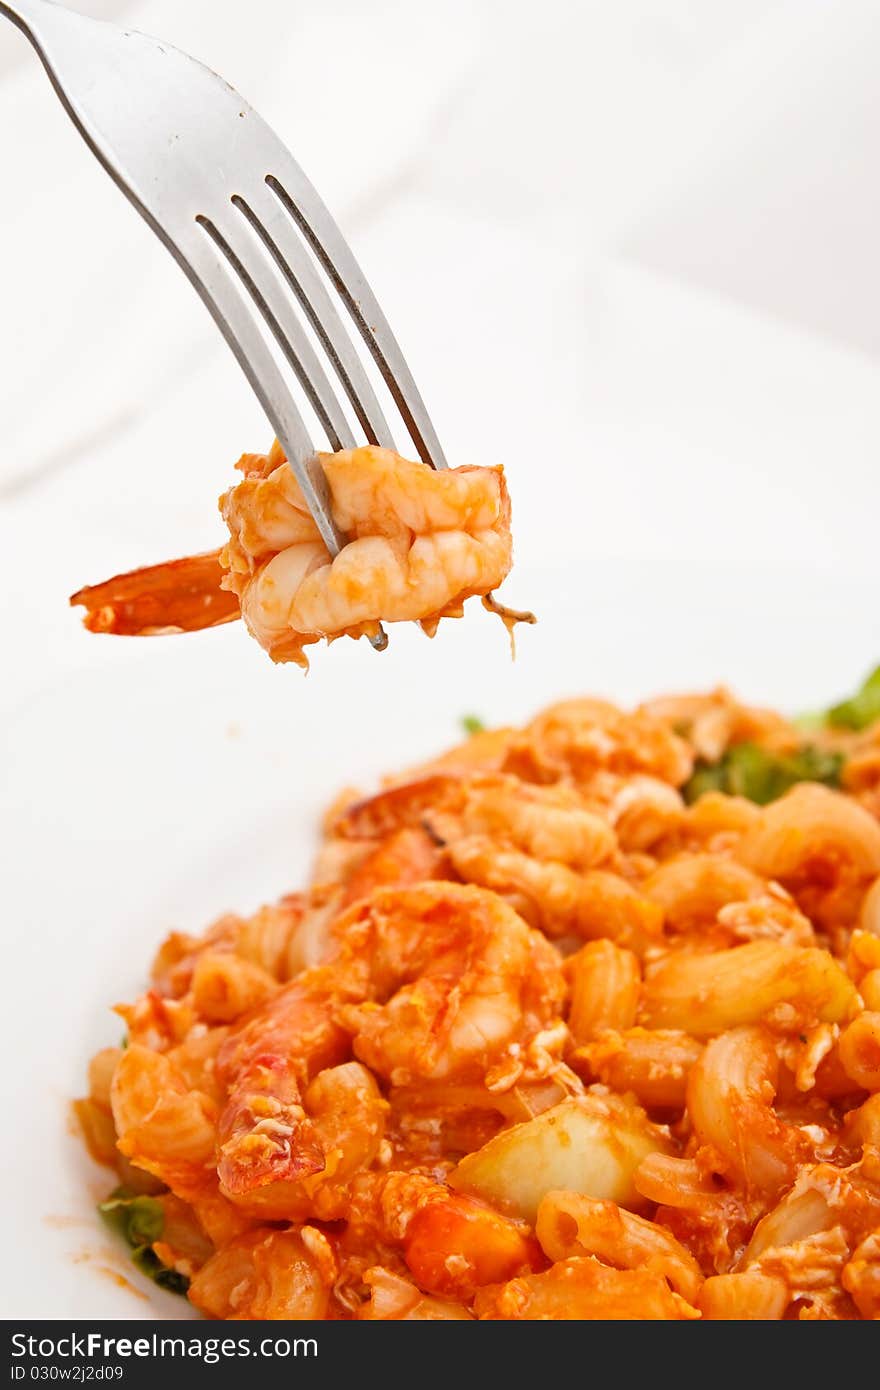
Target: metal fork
x,y
238,214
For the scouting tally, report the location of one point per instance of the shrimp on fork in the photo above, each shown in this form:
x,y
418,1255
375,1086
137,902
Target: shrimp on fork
x,y
178,596
419,544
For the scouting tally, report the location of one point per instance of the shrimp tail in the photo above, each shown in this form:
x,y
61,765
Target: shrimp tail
x,y
177,596
265,1134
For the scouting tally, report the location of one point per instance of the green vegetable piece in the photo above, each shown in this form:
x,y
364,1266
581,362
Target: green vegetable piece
x,y
861,709
761,776
706,777
148,1262
810,720
472,724
811,764
139,1219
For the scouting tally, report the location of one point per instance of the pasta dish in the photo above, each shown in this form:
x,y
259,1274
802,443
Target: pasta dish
x,y
580,1020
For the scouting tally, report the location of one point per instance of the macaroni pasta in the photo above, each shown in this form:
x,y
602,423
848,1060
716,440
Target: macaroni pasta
x,y
564,1027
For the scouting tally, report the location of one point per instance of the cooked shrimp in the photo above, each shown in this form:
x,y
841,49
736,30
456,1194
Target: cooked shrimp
x,y
177,596
420,543
344,1126
408,856
266,1273
578,738
536,845
351,869
443,980
265,1135
431,982
403,805
558,900
547,822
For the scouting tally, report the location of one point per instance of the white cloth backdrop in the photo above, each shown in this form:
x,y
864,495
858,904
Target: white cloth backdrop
x,y
636,241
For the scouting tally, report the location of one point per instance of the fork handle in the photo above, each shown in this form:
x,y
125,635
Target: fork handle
x,y
41,21
26,13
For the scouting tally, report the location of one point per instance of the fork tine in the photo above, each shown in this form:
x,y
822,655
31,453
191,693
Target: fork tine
x,y
289,253
302,203
223,296
193,119
277,310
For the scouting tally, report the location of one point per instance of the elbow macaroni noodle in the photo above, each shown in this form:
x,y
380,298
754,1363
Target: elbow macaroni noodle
x,y
541,1040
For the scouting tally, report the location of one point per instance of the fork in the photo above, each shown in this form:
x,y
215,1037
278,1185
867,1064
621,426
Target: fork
x,y
242,220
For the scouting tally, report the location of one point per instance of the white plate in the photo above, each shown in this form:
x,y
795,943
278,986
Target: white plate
x,y
183,777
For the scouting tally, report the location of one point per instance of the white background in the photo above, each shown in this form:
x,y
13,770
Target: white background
x,y
630,251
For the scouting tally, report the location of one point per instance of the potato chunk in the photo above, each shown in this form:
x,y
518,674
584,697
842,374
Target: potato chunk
x,y
591,1144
